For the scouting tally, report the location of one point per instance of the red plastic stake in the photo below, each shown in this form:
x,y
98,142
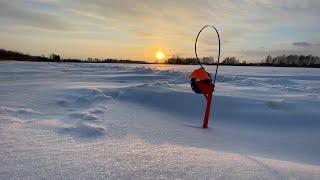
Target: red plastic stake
x,y
207,113
207,90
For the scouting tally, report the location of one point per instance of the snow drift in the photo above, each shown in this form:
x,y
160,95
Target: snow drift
x,y
142,121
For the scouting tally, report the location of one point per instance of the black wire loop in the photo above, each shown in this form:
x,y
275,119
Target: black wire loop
x,y
195,49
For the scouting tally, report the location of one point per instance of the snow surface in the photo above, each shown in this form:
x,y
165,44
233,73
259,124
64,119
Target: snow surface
x,y
116,121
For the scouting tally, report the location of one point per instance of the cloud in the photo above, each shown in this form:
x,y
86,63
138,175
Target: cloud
x,y
243,24
18,13
303,44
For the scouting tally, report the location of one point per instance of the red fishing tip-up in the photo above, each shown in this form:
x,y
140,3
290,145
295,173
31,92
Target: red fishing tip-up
x,y
201,80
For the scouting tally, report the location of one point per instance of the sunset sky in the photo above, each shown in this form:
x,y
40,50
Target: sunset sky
x,y
137,29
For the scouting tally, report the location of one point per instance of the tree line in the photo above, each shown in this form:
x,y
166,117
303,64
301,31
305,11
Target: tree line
x,y
18,56
189,60
293,60
14,55
282,61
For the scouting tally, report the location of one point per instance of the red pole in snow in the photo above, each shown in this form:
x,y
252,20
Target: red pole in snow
x,y
207,90
208,108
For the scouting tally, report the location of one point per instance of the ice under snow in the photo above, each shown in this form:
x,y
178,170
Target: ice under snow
x,y
120,121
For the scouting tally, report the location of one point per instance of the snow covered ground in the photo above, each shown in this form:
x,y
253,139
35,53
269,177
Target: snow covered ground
x,y
80,121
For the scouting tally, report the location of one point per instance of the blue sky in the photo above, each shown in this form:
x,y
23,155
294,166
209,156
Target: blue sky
x,y
136,29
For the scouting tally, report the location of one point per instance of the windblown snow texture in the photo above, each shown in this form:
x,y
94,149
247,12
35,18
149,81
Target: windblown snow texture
x,y
111,121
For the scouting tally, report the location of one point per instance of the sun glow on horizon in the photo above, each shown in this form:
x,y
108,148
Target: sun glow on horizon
x,y
160,56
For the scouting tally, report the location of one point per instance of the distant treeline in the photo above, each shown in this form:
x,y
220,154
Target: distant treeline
x,y
282,61
96,60
189,60
293,60
109,60
18,56
13,55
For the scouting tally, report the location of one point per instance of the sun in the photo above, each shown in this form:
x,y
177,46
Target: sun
x,y
160,56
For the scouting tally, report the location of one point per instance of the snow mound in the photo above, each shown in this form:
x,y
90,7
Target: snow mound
x,y
96,111
277,104
84,130
18,111
81,97
84,116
